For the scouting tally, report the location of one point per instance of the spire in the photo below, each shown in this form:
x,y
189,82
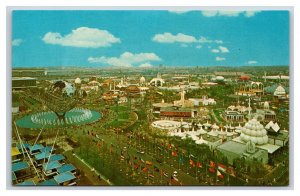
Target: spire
x,y
158,75
249,106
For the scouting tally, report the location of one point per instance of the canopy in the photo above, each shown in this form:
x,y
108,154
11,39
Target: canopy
x,y
36,147
19,166
50,182
64,177
51,165
19,146
15,151
42,155
46,149
26,183
66,168
56,157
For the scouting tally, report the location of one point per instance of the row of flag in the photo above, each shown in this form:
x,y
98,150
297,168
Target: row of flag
x,y
219,169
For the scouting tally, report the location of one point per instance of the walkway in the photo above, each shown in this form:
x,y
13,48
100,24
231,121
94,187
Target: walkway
x,y
92,169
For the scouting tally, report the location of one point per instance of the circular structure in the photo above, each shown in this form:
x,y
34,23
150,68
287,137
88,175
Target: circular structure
x,y
279,91
166,124
220,78
74,117
158,81
61,97
255,132
62,88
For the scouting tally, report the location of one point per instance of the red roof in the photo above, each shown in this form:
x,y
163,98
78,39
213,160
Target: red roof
x,y
245,77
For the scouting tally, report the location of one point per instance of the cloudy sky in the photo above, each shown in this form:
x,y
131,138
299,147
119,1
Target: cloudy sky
x,y
150,38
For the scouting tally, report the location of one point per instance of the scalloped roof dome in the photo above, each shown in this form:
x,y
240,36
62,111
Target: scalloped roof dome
x,y
279,91
255,132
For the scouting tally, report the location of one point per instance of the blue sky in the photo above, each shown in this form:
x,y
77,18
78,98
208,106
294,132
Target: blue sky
x,y
150,38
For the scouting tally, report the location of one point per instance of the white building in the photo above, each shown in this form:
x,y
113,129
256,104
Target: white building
x,y
158,81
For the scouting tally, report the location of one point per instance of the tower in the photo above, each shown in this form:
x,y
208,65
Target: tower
x,y
182,96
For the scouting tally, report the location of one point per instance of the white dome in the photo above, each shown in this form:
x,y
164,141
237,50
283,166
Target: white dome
x,y
254,140
279,91
142,79
255,132
77,81
220,78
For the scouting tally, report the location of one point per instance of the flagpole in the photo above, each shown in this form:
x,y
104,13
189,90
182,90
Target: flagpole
x,y
197,168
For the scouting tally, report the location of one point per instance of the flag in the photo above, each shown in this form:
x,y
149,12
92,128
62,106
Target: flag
x,y
199,165
170,146
222,167
211,170
230,171
145,169
192,163
220,175
180,160
174,153
136,166
212,164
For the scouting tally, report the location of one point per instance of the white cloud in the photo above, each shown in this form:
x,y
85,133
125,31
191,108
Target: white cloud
x,y
233,13
83,37
215,51
198,46
17,42
206,40
146,65
252,62
220,58
223,49
182,38
170,38
127,59
179,11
